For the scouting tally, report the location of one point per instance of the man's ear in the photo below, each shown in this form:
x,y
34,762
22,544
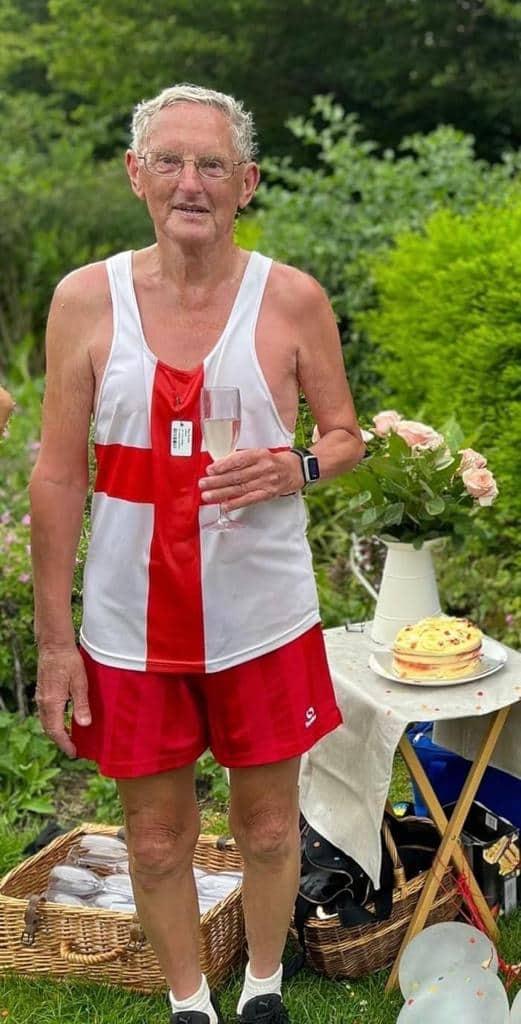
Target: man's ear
x,y
249,185
133,169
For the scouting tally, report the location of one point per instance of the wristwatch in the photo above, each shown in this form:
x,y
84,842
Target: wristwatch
x,y
309,463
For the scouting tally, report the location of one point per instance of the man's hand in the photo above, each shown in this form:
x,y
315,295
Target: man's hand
x,y
250,476
61,678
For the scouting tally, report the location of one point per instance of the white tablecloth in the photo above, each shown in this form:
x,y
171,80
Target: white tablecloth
x,y
345,778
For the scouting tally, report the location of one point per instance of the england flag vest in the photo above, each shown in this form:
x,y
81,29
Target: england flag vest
x,y
161,593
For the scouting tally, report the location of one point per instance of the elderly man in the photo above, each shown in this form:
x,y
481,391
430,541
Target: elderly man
x,y
192,637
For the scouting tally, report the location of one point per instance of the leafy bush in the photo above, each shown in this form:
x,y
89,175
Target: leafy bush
x,y
330,220
447,331
102,793
447,342
54,195
28,764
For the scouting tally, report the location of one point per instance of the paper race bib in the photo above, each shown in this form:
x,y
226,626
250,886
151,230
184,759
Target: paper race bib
x,y
181,434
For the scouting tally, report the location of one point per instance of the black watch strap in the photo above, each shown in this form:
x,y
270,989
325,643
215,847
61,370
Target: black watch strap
x,y
309,463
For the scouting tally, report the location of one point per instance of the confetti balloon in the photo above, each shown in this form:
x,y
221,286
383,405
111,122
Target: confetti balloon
x,y
469,994
441,947
515,1013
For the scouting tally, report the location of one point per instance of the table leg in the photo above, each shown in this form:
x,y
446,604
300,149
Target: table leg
x,y
449,849
440,820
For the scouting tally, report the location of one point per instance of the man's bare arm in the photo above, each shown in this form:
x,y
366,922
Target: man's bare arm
x,y
323,380
58,489
250,476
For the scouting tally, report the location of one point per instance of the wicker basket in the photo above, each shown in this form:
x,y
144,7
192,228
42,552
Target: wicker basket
x,y
353,952
39,937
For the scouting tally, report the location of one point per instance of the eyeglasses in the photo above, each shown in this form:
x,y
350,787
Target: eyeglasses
x,y
171,165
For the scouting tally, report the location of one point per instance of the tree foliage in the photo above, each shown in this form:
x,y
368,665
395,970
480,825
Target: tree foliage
x,y
331,220
401,66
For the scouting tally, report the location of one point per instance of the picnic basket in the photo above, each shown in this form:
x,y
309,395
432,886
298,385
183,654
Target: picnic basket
x,y
354,952
43,938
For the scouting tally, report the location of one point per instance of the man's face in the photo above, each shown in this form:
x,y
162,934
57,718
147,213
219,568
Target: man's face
x,y
192,209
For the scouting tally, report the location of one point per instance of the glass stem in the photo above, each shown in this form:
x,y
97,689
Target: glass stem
x,y
224,518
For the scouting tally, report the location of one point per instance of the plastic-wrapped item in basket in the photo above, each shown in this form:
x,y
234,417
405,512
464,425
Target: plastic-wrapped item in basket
x,y
67,878
104,854
113,901
214,887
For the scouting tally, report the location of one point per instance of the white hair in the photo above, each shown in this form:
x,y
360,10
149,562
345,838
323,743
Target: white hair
x,y
241,121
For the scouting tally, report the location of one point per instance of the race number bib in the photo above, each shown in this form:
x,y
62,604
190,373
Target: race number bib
x,y
181,433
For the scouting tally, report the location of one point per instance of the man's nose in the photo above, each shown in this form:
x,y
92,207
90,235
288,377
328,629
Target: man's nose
x,y
190,176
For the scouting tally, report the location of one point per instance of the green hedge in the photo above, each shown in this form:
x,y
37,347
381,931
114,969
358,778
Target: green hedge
x,y
448,335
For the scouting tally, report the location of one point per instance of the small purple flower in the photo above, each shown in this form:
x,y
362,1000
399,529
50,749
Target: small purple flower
x,y
9,538
5,518
24,577
35,446
26,520
509,618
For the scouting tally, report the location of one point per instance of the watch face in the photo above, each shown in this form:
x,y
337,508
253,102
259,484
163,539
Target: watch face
x,y
313,472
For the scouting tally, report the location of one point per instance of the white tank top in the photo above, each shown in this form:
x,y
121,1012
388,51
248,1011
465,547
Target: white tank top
x,y
161,593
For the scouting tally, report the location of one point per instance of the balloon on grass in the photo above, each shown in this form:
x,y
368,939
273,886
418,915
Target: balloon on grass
x,y
441,947
469,994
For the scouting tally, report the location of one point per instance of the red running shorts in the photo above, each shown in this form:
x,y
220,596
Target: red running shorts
x,y
274,707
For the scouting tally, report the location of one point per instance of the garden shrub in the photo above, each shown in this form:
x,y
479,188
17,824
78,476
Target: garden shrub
x,y
29,763
448,334
447,337
330,220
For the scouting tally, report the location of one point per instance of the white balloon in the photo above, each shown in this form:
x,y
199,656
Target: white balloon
x,y
466,995
515,1013
440,947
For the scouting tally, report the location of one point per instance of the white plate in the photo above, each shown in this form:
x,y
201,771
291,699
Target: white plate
x,y
493,657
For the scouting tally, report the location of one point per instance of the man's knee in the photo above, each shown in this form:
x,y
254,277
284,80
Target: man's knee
x,y
266,832
159,848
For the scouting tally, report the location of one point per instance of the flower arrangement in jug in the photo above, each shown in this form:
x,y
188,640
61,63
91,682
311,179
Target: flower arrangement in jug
x,y
416,483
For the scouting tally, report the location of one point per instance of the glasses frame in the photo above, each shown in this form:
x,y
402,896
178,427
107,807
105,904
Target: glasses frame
x,y
189,160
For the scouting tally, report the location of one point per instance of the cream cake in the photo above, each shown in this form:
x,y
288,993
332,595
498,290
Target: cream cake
x,y
440,647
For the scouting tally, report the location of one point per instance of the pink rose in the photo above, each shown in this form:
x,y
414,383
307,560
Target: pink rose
x,y
385,421
419,435
471,460
480,484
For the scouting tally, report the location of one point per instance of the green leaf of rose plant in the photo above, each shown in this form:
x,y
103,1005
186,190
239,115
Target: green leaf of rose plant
x,y
393,514
435,506
369,517
358,500
453,434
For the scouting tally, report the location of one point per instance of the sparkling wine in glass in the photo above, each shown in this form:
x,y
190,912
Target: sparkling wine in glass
x,y
221,423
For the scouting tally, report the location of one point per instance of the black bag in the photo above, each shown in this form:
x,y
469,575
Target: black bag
x,y
331,879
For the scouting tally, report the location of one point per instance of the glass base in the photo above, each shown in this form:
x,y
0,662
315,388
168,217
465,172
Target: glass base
x,y
223,525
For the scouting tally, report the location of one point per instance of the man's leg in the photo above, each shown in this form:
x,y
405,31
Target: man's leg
x,y
264,818
162,827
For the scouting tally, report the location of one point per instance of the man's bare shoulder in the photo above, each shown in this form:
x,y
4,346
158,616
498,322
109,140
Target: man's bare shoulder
x,y
296,292
85,289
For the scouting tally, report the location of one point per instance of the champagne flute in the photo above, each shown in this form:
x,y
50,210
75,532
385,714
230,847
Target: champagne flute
x,y
221,423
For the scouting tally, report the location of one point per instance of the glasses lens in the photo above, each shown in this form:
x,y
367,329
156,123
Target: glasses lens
x,y
164,163
214,167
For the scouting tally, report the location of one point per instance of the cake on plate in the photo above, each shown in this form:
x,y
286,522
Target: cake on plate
x,y
439,647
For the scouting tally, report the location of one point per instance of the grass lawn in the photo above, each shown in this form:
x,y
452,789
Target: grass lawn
x,y
311,999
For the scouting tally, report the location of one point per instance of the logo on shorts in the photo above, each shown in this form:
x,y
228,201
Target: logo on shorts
x,y
311,716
